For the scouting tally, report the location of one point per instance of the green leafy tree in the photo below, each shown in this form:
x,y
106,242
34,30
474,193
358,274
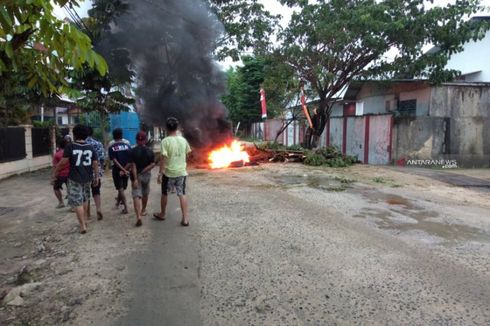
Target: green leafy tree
x,y
329,43
243,98
247,27
36,52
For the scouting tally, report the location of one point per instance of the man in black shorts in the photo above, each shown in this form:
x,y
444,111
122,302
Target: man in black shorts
x,y
119,154
142,160
84,170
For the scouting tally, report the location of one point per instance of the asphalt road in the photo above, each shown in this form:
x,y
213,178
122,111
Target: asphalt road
x,y
262,252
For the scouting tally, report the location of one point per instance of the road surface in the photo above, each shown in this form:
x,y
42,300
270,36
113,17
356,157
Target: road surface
x,y
271,245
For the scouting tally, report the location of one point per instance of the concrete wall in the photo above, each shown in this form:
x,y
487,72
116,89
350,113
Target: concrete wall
x,y
355,137
28,164
337,110
474,58
420,138
467,109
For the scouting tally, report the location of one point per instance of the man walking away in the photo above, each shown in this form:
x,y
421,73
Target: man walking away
x,y
84,170
119,155
63,174
173,169
99,149
142,160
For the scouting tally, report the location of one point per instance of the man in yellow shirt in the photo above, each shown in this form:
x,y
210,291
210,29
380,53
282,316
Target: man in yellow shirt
x,y
173,169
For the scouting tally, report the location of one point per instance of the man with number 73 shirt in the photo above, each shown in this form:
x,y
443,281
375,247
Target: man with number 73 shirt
x,y
84,170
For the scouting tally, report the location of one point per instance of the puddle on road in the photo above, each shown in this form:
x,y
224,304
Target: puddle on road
x,y
398,200
314,181
385,219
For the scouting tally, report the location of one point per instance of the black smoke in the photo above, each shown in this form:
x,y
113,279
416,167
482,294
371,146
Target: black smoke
x,y
170,45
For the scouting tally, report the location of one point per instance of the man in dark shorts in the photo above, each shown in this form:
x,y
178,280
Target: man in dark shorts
x,y
84,170
142,160
99,149
173,169
62,177
119,154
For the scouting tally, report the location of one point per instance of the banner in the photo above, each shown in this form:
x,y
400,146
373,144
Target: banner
x,y
305,109
264,104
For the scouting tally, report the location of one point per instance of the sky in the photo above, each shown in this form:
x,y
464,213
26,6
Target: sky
x,y
272,6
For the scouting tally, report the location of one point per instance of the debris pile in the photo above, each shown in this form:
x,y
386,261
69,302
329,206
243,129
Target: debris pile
x,y
273,152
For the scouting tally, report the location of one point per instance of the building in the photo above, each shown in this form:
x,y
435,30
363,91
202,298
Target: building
x,y
449,121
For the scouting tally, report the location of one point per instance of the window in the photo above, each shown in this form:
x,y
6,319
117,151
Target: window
x,y
407,108
60,120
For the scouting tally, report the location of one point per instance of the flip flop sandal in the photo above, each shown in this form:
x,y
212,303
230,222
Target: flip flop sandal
x,y
158,217
99,216
184,224
139,223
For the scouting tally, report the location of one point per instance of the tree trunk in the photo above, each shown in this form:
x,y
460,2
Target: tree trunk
x,y
319,120
282,130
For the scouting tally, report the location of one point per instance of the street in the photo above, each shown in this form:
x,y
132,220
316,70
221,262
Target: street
x,y
277,244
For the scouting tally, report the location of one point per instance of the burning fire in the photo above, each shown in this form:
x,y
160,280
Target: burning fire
x,y
224,156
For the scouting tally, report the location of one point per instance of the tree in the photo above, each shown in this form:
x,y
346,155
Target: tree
x,y
36,52
35,43
329,43
243,85
247,26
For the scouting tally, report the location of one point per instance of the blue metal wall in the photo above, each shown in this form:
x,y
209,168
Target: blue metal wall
x,y
129,122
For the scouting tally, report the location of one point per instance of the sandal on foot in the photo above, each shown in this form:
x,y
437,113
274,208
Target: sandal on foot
x,y
144,213
99,216
158,217
83,231
124,211
184,224
139,223
60,205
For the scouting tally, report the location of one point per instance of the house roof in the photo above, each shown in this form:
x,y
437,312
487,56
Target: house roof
x,y
355,86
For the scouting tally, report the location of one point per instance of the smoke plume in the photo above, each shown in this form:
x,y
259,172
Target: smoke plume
x,y
170,44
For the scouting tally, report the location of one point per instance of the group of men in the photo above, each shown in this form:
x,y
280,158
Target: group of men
x,y
80,165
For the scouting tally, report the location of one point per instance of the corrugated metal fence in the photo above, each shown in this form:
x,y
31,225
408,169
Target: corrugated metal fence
x,y
366,137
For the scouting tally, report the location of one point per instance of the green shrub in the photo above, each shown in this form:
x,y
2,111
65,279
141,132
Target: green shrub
x,y
295,148
314,159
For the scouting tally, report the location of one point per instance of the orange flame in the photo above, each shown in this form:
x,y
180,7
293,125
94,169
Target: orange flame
x,y
224,156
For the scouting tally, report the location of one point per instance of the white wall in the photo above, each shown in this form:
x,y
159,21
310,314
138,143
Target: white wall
x,y
472,59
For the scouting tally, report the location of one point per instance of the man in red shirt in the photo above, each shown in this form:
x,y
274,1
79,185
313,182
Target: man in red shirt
x,y
62,176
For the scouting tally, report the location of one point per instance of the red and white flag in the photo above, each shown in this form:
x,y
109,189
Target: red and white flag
x,y
263,103
305,108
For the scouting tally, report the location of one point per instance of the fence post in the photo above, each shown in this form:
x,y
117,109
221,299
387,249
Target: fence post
x,y
53,139
28,138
